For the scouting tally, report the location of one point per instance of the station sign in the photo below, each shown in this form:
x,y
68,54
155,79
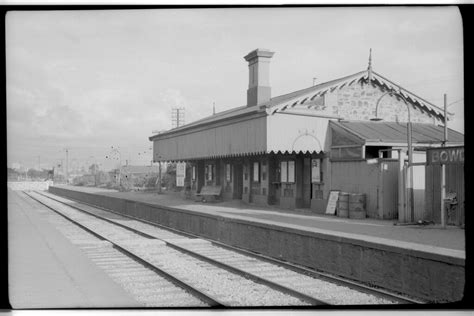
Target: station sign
x,y
445,155
332,202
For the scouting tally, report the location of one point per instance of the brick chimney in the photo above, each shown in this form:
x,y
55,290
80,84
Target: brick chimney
x,y
259,76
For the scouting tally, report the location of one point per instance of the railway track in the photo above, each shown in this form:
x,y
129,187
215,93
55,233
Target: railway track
x,y
201,267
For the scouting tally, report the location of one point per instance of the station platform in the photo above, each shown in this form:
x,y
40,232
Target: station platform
x,y
442,240
47,271
426,262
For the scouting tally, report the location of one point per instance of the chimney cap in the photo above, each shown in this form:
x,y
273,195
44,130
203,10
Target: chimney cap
x,y
259,52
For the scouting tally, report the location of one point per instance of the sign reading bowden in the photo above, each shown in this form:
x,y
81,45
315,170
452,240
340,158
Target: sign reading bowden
x,y
445,155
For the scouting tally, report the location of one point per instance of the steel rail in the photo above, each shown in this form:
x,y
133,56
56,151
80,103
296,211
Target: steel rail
x,y
292,292
368,289
185,286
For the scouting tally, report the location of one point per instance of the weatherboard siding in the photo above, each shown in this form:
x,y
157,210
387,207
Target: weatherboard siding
x,y
237,138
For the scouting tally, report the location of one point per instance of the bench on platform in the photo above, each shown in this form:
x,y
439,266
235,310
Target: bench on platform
x,y
209,193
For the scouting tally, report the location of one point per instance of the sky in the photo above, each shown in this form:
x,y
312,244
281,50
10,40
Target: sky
x,y
91,81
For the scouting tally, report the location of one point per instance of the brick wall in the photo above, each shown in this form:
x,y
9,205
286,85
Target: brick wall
x,y
358,101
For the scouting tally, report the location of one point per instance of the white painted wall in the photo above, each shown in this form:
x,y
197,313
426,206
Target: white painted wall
x,y
296,132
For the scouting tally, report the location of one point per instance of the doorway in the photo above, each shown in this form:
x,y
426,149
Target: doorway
x,y
200,175
238,180
306,182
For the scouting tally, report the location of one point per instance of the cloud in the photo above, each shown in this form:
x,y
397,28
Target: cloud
x,y
92,79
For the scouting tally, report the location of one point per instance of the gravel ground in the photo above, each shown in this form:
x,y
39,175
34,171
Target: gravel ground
x,y
324,290
204,274
144,285
230,288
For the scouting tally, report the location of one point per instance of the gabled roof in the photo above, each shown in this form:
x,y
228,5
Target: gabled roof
x,y
304,96
241,110
275,102
394,132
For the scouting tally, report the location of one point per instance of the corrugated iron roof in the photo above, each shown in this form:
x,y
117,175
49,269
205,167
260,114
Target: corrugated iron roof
x,y
289,96
304,96
394,132
242,110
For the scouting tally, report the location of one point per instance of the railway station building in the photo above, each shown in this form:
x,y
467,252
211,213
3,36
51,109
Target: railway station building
x,y
292,150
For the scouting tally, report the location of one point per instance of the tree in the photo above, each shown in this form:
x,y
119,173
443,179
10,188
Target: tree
x,y
37,174
13,174
169,178
94,168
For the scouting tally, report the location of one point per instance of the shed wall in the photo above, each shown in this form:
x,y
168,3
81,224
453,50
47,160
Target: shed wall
x,y
378,181
347,175
454,183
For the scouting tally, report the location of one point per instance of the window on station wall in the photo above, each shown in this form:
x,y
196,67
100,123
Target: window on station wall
x,y
316,174
256,172
209,172
228,172
373,152
291,171
264,170
284,171
287,171
346,153
193,173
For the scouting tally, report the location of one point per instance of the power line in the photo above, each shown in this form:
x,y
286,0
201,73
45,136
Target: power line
x,y
433,80
455,101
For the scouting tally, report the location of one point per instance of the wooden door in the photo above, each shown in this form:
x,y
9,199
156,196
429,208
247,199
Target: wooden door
x,y
306,182
389,189
238,180
200,175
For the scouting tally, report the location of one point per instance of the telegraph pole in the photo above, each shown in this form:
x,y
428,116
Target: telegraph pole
x,y
443,166
159,176
177,117
445,119
158,181
67,161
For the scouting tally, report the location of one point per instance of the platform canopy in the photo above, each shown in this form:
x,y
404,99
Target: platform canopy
x,y
239,133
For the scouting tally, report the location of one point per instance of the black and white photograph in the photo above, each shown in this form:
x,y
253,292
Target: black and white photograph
x,y
208,158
